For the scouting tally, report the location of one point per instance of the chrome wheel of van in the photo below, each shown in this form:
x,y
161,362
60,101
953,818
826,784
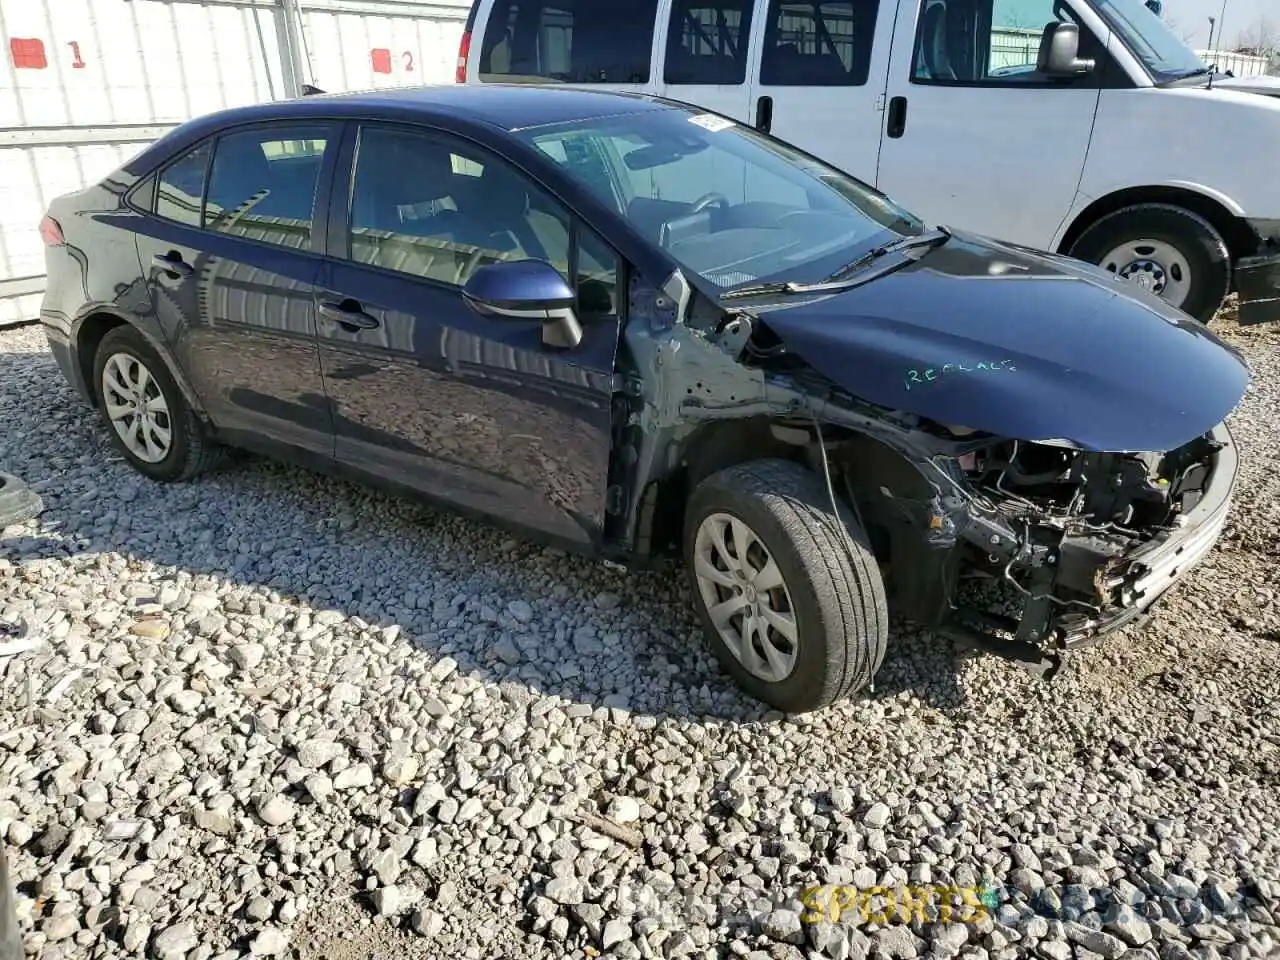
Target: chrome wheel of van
x,y
1154,265
746,597
136,407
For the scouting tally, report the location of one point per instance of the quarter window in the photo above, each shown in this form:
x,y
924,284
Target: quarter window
x,y
707,41
578,41
180,190
823,43
263,186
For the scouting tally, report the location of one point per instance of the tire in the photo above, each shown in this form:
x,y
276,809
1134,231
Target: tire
x,y
835,597
189,451
18,502
1197,242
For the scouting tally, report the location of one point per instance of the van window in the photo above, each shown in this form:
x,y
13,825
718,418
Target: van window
x,y
1005,41
574,41
707,41
818,43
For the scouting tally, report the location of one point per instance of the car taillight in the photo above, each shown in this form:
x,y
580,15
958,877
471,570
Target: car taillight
x,y
51,232
464,51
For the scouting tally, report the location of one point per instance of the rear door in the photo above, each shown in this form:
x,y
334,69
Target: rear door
x,y
425,392
230,253
607,45
823,67
708,50
982,140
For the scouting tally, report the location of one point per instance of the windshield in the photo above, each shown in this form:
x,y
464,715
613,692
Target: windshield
x,y
724,201
1149,37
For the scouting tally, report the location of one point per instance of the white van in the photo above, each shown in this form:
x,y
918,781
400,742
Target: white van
x,y
1079,126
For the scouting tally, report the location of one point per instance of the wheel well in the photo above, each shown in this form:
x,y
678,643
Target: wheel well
x,y
93,328
1240,240
710,448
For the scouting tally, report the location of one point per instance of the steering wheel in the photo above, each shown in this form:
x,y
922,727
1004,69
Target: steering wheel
x,y
709,200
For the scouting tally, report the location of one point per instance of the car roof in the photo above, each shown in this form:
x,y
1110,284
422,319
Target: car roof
x,y
505,106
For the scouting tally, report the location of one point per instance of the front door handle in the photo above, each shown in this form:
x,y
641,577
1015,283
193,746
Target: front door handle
x,y
347,314
173,264
896,124
764,114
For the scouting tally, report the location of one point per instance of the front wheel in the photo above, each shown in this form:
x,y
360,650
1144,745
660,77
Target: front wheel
x,y
794,611
1167,250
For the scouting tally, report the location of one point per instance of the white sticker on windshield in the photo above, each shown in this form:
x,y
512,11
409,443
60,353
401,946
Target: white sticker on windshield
x,y
711,122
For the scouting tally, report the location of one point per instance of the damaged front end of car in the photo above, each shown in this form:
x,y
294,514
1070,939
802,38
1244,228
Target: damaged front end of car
x,y
1025,549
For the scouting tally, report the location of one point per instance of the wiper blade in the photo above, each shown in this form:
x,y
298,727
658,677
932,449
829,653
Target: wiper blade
x,y
841,278
934,238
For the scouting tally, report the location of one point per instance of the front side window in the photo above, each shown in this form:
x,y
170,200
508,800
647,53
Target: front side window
x,y
724,201
573,41
990,42
430,207
1164,55
262,185
818,43
707,42
180,188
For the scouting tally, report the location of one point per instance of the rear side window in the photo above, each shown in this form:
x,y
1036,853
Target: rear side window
x,y
707,41
181,187
262,185
574,41
818,43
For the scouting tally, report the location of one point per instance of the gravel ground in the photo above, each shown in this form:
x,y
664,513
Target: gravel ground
x,y
277,714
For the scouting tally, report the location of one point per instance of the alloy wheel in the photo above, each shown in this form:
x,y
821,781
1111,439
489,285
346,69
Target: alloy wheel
x,y
746,596
136,407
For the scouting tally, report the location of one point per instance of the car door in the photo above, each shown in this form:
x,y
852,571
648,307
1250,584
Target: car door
x,y
708,49
231,276
427,393
975,136
821,78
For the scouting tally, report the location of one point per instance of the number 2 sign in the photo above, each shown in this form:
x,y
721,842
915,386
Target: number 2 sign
x,y
380,59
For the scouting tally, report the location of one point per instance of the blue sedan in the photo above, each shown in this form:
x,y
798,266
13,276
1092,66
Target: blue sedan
x,y
639,330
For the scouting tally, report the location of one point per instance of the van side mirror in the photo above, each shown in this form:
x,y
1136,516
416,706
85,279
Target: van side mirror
x,y
527,290
1060,51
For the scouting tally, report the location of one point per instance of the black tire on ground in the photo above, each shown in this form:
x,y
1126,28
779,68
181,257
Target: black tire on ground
x,y
1194,236
18,502
837,596
192,451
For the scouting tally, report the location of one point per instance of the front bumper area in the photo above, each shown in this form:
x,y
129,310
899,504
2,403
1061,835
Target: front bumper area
x,y
1089,589
1257,278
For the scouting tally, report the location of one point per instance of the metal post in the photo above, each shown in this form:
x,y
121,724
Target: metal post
x,y
288,31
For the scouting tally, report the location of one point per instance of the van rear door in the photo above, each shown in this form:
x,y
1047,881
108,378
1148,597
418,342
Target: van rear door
x,y
822,71
709,53
580,42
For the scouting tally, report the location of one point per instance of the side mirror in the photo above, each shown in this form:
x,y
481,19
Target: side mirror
x,y
527,290
1060,52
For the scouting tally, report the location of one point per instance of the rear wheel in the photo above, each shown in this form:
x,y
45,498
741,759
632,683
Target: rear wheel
x,y
149,420
794,615
1168,250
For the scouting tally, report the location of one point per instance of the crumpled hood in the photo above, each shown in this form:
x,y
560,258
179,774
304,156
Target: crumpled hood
x,y
1030,346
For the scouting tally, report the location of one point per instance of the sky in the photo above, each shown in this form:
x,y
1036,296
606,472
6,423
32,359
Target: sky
x,y
1192,17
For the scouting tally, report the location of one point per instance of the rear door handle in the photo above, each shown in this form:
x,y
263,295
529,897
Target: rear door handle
x,y
347,314
896,124
764,114
173,264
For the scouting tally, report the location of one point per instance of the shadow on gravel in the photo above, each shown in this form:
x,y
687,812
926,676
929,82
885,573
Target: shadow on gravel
x,y
331,544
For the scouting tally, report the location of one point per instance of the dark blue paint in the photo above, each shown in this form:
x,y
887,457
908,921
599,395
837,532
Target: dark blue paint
x,y
520,285
1098,362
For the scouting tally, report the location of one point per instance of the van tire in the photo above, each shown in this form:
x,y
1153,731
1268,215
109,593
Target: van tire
x,y
1196,240
832,586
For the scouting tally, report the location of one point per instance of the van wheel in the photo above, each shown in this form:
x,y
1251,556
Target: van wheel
x,y
149,420
794,615
1170,251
